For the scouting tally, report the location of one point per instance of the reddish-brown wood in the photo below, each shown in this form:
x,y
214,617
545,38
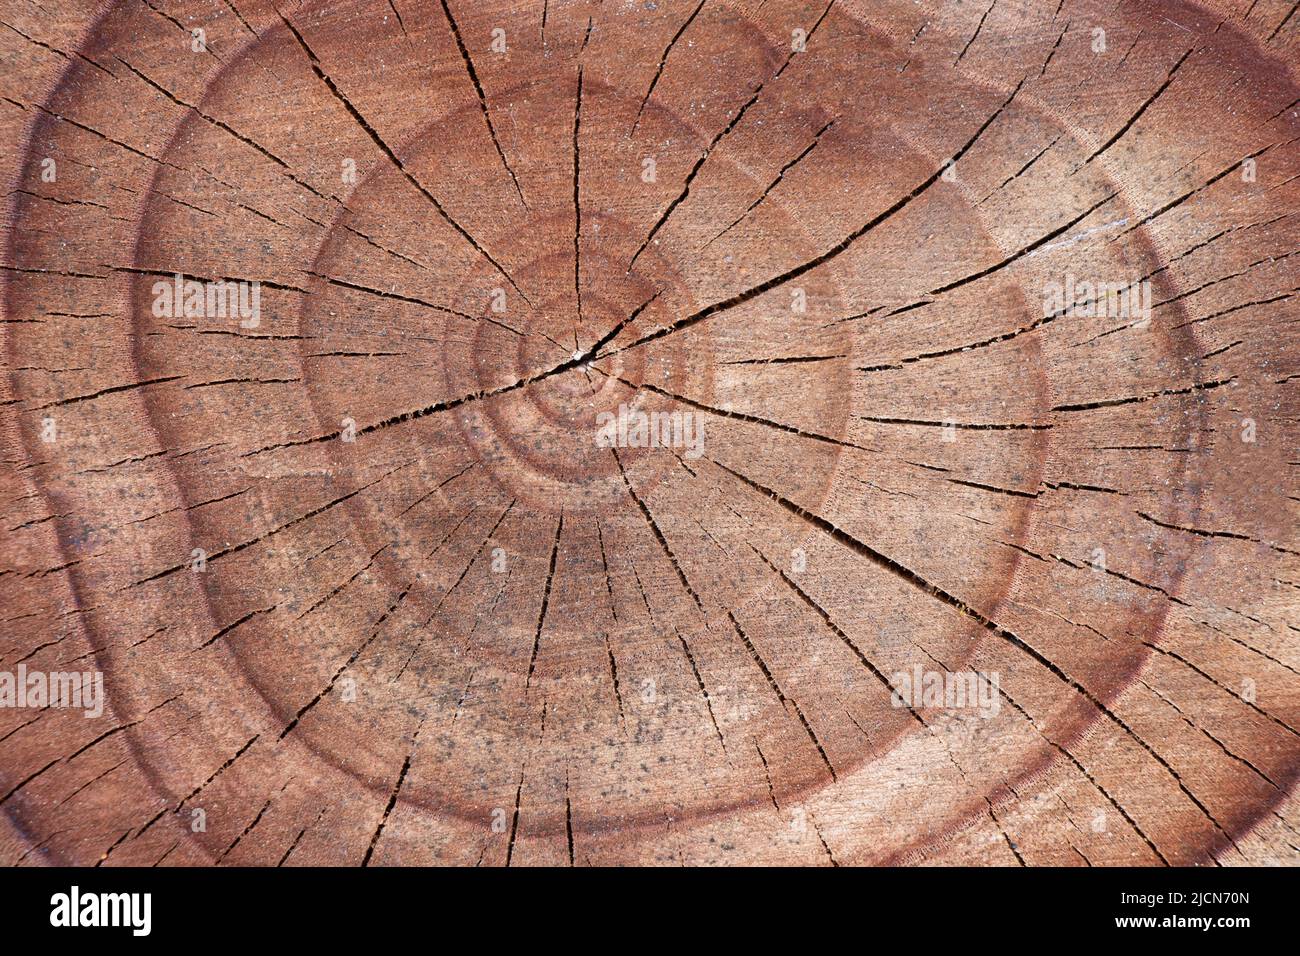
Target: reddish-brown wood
x,y
826,232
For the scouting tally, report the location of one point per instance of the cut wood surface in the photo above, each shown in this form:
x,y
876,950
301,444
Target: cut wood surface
x,y
371,578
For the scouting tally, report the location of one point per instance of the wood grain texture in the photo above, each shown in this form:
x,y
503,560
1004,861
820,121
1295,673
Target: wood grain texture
x,y
476,636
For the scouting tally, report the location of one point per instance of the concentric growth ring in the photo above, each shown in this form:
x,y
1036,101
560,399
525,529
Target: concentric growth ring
x,y
544,433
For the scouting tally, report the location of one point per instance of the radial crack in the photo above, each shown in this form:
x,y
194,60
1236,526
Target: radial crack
x,y
482,100
392,156
663,60
829,254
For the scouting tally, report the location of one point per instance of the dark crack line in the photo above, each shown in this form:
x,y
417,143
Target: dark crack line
x,y
249,829
399,297
1285,21
400,22
392,797
613,333
308,707
577,207
193,793
1023,169
978,28
699,680
1174,203
482,100
613,674
566,366
111,390
296,840
1140,110
658,533
1112,402
1015,256
910,576
514,822
835,629
446,594
663,60
392,156
54,49
735,416
285,168
972,426
773,184
829,254
708,150
546,602
234,549
781,695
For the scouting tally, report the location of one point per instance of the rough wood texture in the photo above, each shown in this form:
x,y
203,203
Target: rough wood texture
x,y
473,635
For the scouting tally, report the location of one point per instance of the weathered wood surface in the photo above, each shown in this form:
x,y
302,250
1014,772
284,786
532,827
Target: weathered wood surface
x,y
475,636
